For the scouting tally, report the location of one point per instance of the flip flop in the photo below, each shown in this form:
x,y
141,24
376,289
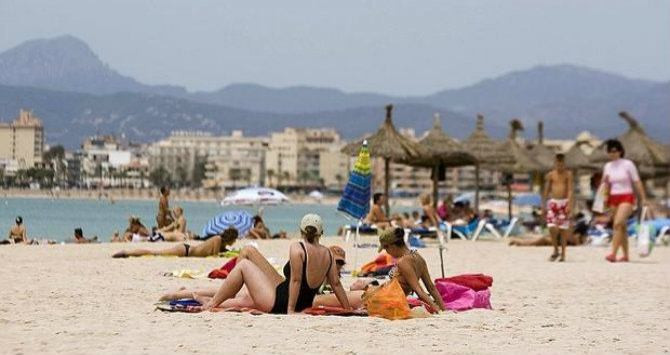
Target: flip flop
x,y
554,256
622,259
611,258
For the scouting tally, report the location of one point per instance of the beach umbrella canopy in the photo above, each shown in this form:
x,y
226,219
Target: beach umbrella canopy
x,y
522,161
390,145
240,220
255,196
442,151
575,158
541,152
316,194
355,200
651,157
484,148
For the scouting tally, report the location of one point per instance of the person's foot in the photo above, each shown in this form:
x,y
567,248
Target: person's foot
x,y
554,256
622,259
121,254
561,259
611,258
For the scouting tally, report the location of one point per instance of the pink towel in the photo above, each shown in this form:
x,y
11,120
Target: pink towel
x,y
462,298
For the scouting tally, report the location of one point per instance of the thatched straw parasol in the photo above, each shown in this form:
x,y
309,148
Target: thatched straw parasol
x,y
541,152
442,151
575,158
390,145
486,150
650,156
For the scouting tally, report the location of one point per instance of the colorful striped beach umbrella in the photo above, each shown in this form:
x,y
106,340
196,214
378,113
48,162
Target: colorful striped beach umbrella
x,y
240,220
355,200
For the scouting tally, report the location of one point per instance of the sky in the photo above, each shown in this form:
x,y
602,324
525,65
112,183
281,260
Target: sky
x,y
384,46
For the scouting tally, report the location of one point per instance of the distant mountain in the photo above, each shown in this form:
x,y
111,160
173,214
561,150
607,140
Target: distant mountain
x,y
69,117
67,63
568,98
298,99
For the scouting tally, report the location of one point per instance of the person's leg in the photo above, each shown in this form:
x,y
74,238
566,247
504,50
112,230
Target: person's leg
x,y
178,250
620,237
252,254
330,300
565,235
183,292
174,236
260,287
553,233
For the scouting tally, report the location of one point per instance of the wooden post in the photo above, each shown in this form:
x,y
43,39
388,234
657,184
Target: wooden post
x,y
387,183
477,188
509,201
436,169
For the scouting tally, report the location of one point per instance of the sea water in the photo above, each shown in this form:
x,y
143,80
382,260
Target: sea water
x,y
57,218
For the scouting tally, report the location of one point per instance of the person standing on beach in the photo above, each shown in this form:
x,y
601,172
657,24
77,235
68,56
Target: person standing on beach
x,y
557,202
164,217
621,179
17,234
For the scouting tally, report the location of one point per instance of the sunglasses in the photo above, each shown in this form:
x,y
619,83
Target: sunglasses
x,y
340,262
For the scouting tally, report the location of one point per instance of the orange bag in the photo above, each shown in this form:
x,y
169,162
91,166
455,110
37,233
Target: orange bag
x,y
388,301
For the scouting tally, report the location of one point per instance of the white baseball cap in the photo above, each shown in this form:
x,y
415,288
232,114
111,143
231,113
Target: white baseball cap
x,y
313,220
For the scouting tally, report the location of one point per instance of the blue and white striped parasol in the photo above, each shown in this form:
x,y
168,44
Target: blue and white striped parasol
x,y
355,200
240,220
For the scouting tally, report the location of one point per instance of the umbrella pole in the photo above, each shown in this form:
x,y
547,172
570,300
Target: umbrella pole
x,y
509,201
356,242
435,187
387,183
477,188
442,259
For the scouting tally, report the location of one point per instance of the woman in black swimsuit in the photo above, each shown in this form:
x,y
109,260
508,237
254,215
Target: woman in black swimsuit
x,y
309,265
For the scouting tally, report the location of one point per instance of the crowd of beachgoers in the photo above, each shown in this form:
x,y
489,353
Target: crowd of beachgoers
x,y
311,276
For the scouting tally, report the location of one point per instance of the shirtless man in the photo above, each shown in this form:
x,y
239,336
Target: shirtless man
x,y
17,234
557,201
377,216
164,218
212,246
175,231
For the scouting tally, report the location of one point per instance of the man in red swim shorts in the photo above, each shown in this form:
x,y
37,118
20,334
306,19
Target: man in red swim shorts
x,y
556,205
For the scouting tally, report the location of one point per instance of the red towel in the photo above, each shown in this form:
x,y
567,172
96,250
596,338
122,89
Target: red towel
x,y
476,282
223,272
333,311
415,302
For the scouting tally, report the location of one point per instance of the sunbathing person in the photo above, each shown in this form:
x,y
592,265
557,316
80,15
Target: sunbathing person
x,y
432,219
259,230
410,269
18,234
176,230
309,265
212,246
136,231
377,216
243,299
79,237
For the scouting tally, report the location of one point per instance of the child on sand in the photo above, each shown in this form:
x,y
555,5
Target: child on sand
x,y
557,201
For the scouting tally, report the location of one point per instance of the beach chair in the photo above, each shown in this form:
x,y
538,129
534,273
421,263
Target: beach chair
x,y
466,231
500,230
365,229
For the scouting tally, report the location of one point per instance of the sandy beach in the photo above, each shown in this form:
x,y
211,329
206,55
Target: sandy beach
x,y
76,299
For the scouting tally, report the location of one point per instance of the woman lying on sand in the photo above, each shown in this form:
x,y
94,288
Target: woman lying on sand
x,y
410,269
176,230
243,299
309,265
212,246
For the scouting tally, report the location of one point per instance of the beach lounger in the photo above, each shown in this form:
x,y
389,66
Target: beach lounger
x,y
462,231
500,229
364,229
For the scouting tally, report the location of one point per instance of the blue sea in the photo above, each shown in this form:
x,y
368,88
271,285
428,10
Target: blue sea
x,y
57,218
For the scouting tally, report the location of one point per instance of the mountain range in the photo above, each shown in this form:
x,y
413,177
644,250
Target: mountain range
x,y
77,94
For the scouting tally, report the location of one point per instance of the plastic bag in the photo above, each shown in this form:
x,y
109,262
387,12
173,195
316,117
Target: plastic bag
x,y
644,235
388,301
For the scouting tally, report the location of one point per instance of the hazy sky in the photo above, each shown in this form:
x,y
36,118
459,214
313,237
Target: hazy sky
x,y
396,47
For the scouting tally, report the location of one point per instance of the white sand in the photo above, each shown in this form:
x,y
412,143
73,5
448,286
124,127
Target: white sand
x,y
76,299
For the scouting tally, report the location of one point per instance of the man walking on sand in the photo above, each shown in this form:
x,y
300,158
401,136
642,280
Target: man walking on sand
x,y
557,201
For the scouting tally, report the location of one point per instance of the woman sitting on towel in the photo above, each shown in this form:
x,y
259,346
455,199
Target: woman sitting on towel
x,y
411,268
244,300
212,246
309,265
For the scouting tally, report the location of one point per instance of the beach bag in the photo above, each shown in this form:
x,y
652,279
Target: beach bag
x,y
387,301
600,200
645,234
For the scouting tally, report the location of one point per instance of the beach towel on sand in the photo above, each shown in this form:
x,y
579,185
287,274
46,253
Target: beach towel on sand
x,y
186,274
223,271
383,262
461,297
334,311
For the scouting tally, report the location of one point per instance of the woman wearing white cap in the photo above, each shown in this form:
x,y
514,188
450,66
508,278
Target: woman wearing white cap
x,y
309,265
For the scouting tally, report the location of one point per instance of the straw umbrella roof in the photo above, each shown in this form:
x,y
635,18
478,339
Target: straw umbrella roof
x,y
650,156
442,149
542,154
484,148
575,158
522,160
388,143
